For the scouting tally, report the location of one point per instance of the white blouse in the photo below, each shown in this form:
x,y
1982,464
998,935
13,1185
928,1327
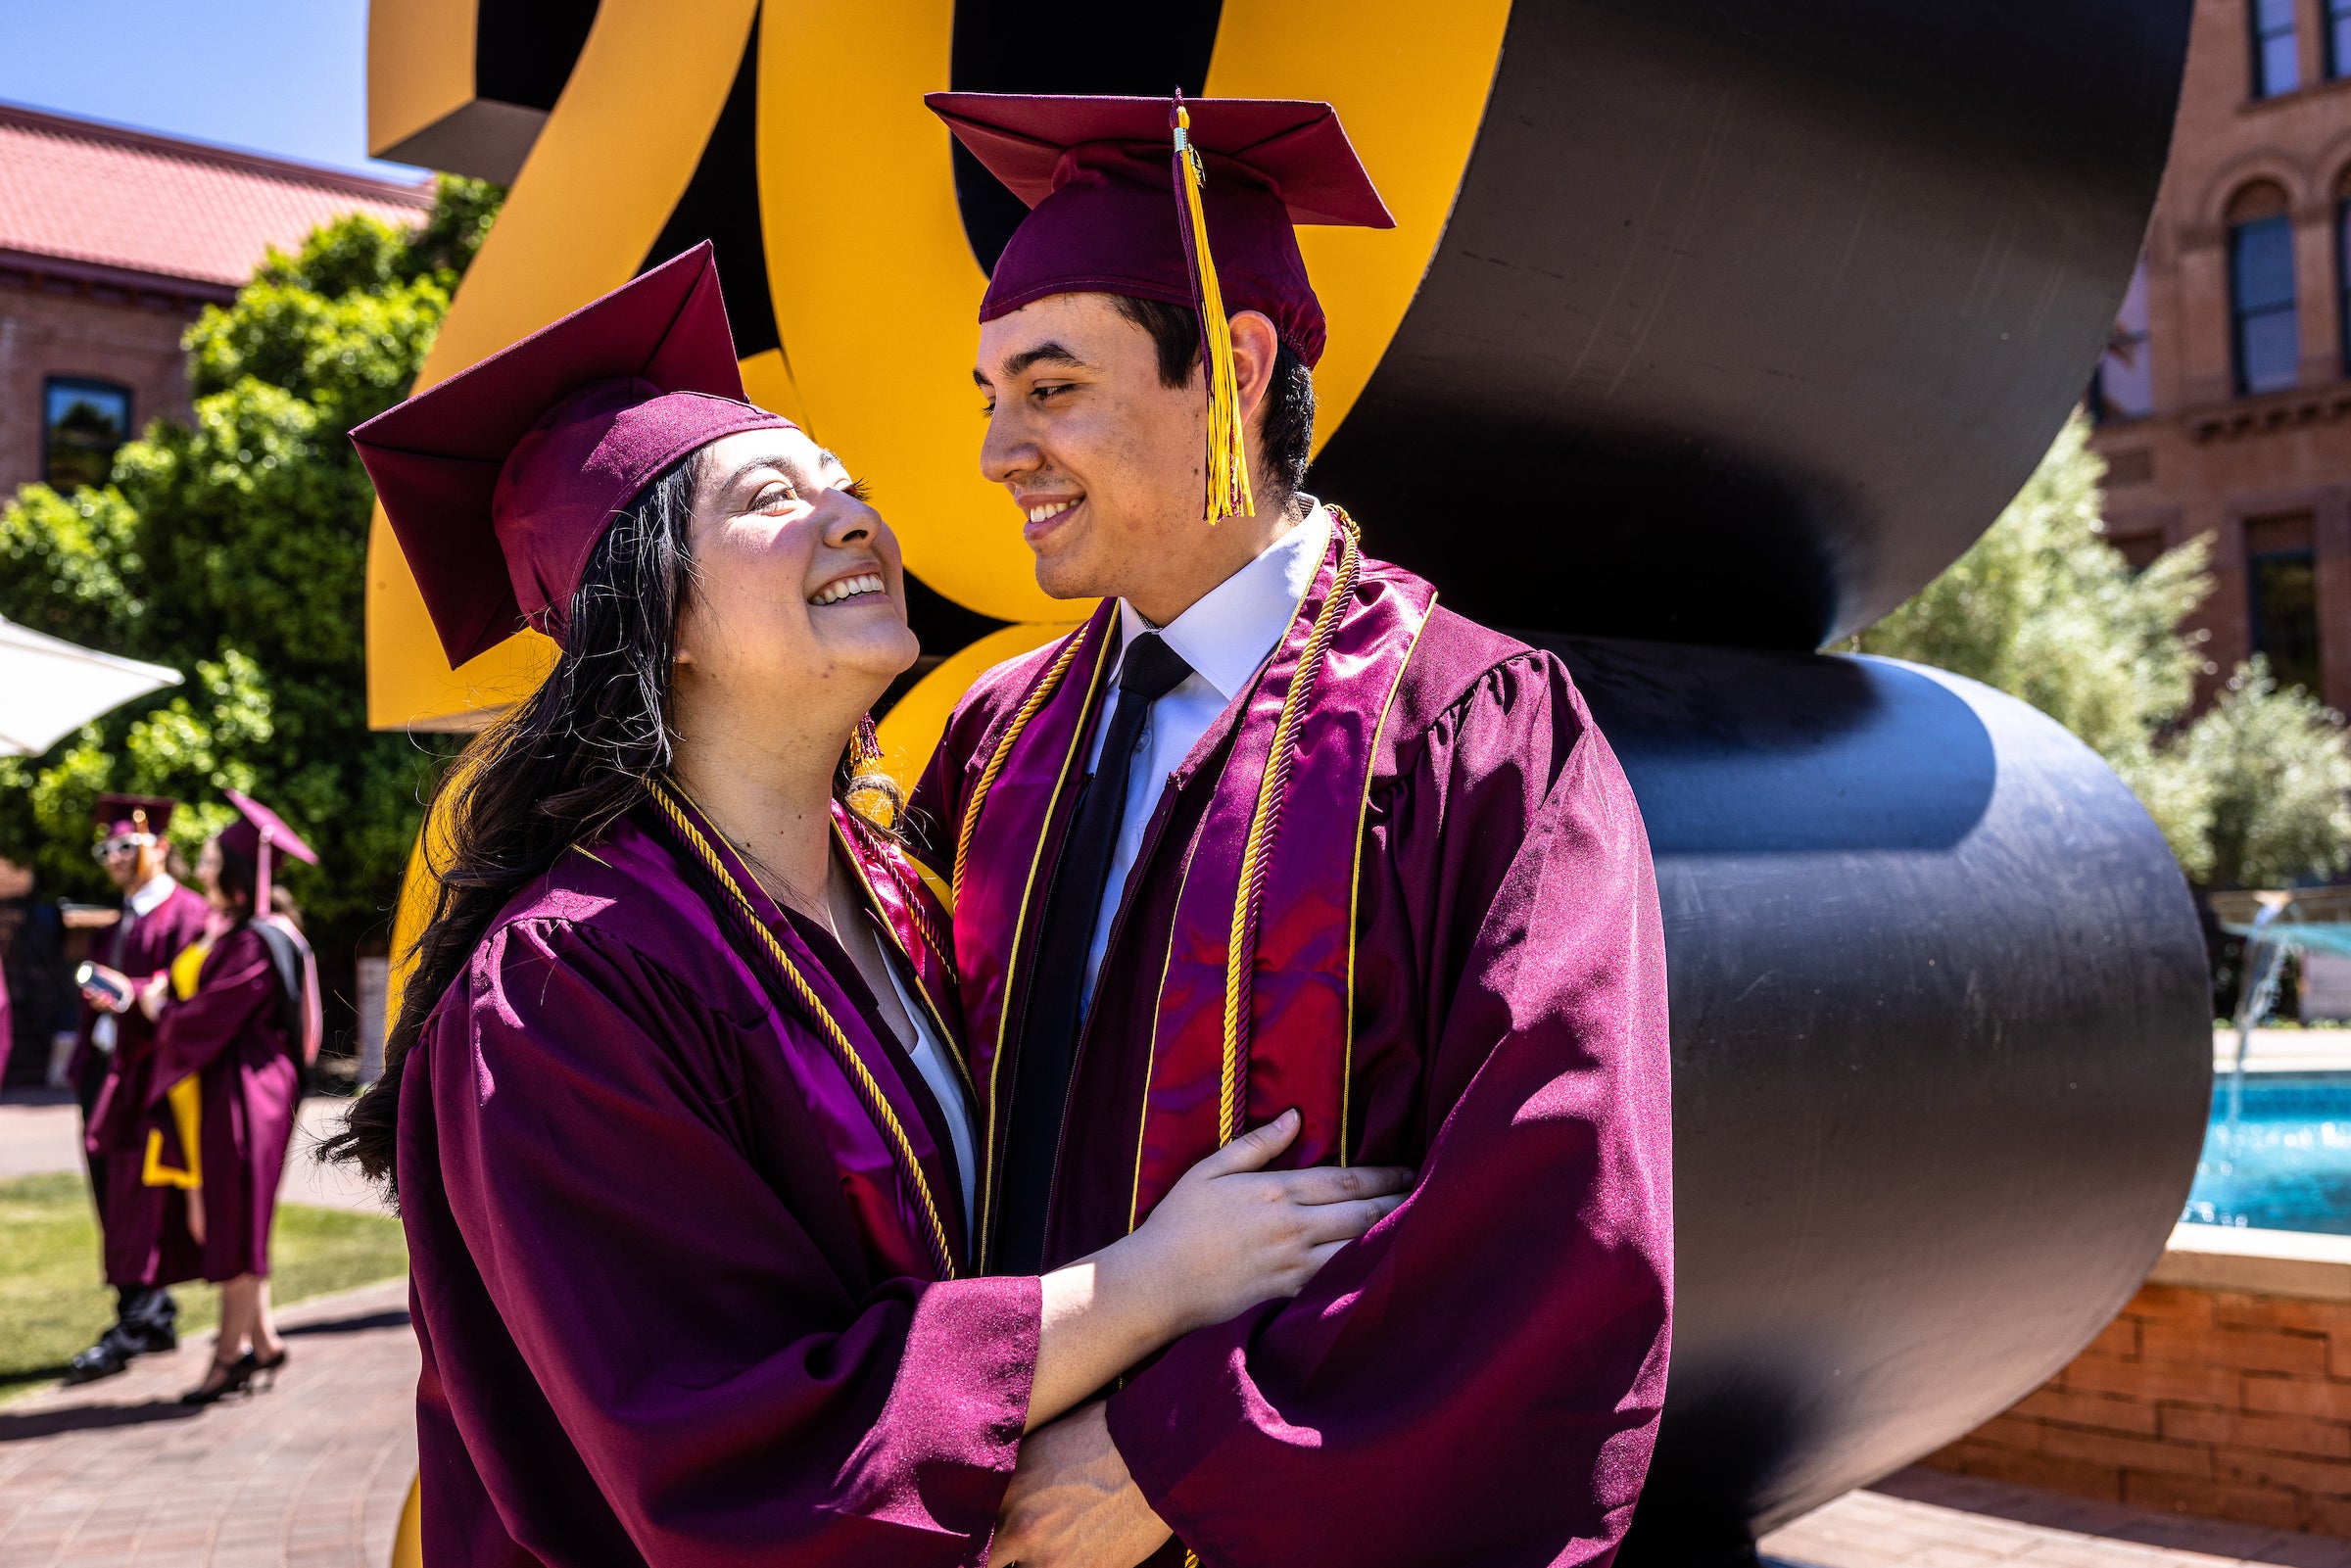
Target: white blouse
x,y
930,1054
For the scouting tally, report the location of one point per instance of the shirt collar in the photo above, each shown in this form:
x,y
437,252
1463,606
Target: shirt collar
x,y
144,902
1230,628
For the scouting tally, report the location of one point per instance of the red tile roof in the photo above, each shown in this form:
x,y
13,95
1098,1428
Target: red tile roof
x,y
129,202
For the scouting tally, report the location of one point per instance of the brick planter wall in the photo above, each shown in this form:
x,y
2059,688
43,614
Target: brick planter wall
x,y
2223,1390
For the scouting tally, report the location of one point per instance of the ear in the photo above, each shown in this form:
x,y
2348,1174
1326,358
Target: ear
x,y
1255,343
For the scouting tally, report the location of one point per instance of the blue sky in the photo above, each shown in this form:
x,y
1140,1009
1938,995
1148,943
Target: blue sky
x,y
283,76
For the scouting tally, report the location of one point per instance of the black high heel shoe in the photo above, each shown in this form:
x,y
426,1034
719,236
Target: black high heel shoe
x,y
235,1377
266,1371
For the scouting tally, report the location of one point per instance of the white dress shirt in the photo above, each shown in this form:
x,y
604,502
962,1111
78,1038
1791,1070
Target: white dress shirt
x,y
138,906
1225,636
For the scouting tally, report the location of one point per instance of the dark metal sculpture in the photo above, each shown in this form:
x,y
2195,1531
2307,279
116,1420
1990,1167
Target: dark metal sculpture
x,y
1749,316
1941,1062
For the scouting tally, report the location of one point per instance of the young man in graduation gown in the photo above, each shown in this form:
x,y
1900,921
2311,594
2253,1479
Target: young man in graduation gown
x,y
110,1069
1276,829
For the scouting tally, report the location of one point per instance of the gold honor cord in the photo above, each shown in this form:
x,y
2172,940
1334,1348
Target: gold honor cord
x,y
877,1104
995,762
1263,822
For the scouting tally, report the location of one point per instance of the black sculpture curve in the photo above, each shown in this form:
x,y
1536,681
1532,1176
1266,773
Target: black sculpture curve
x,y
1752,313
1941,1051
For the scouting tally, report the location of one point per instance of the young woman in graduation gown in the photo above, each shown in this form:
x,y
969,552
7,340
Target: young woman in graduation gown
x,y
674,1106
231,1016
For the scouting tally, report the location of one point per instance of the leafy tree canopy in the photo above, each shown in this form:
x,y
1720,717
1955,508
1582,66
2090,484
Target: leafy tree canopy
x,y
2255,791
234,549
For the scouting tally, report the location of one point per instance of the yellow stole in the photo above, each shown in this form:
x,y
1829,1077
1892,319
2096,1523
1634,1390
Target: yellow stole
x,y
186,1098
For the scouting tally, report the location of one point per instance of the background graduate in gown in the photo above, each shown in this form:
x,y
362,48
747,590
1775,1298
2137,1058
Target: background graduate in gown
x,y
142,1229
1273,829
236,1016
676,1106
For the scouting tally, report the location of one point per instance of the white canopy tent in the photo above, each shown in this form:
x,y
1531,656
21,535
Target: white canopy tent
x,y
50,687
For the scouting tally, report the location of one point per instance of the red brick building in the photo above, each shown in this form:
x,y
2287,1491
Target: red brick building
x,y
2225,404
110,242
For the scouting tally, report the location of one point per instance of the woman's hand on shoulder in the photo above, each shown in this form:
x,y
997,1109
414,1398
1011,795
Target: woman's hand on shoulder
x,y
1231,1234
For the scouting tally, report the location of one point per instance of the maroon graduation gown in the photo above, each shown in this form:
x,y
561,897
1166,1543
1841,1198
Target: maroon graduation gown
x,y
144,1228
674,1283
1478,1380
231,1035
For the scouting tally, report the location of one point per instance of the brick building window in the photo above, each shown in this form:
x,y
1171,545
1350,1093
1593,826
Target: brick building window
x,y
2124,387
2282,578
2342,262
2277,60
82,422
2338,38
2265,328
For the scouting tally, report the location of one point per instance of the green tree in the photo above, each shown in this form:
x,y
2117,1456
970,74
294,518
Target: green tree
x,y
234,549
2255,791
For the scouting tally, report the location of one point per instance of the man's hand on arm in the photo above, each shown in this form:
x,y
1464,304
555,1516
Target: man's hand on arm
x,y
1072,1504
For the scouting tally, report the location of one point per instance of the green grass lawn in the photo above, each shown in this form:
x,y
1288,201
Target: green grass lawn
x,y
53,1300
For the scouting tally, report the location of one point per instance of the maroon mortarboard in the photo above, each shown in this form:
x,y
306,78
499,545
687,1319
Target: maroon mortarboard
x,y
116,815
501,479
1187,201
258,834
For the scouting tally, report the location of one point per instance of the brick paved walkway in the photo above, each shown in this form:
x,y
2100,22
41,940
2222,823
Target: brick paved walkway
x,y
1932,1519
310,1474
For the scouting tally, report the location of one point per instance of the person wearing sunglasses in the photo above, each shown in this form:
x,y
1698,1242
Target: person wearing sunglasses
x,y
110,1065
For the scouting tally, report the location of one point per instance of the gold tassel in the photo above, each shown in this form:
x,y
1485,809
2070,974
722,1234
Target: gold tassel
x,y
1228,493
872,793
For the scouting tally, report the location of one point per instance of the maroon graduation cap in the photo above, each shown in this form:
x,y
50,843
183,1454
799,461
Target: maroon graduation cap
x,y
501,479
1187,201
117,815
255,835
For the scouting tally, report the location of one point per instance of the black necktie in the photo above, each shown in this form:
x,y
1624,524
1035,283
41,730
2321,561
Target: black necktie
x,y
1048,1042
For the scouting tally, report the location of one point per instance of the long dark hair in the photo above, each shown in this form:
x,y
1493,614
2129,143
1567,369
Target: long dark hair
x,y
556,771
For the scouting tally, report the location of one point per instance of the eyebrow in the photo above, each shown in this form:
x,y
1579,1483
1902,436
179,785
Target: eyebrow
x,y
744,468
1042,353
772,459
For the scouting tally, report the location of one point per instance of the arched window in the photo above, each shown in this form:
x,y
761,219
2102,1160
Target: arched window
x,y
2264,327
2276,59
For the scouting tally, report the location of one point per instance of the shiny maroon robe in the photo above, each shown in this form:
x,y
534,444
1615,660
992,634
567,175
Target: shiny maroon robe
x,y
1478,1380
231,1035
144,1228
672,1287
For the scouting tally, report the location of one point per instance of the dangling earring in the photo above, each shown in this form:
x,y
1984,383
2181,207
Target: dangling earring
x,y
872,793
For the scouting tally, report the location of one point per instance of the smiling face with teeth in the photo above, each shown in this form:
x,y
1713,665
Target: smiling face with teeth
x,y
1104,460
799,603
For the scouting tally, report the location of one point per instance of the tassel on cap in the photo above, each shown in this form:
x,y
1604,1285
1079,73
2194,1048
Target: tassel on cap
x,y
1228,493
872,793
